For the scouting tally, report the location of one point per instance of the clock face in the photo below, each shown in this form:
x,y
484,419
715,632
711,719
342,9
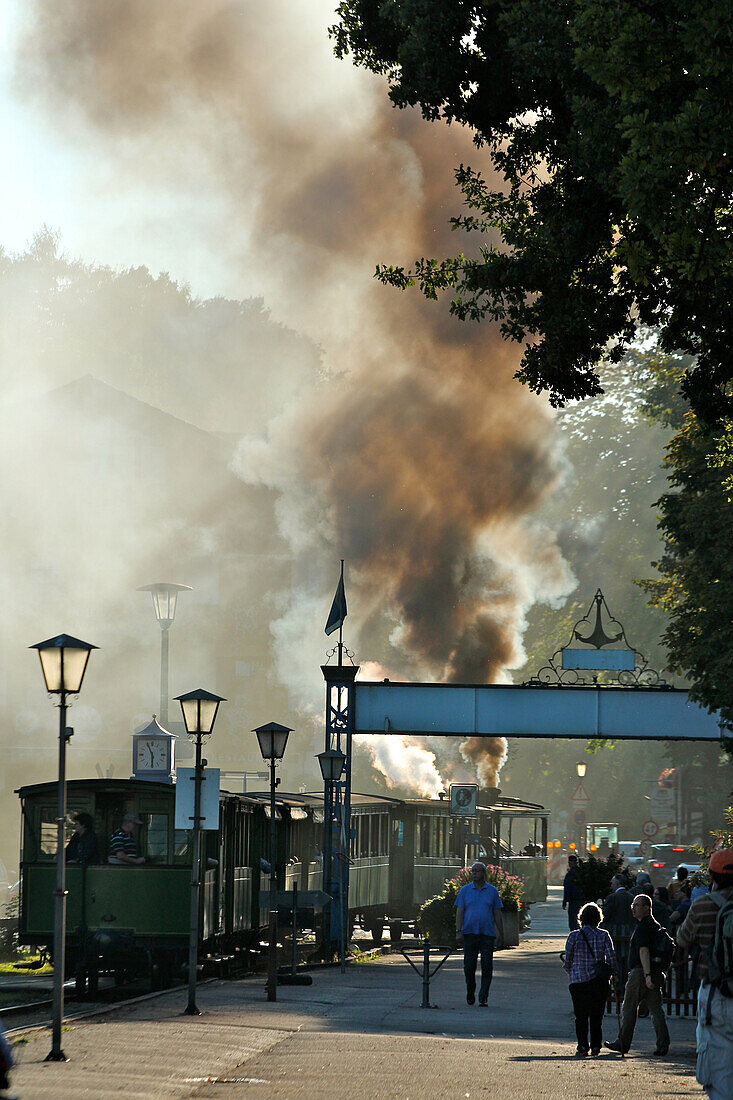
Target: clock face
x,y
152,755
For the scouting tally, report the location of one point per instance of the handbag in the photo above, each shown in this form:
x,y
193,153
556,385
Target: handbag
x,y
601,968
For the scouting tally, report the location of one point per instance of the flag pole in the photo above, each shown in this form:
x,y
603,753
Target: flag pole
x,y
341,624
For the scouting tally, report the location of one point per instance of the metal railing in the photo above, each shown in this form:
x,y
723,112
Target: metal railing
x,y
680,987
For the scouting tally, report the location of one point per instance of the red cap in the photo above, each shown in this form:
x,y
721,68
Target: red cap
x,y
722,861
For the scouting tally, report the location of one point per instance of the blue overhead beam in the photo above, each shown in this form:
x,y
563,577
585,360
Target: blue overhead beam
x,y
501,710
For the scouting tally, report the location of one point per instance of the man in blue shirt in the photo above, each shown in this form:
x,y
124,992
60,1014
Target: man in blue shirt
x,y
478,917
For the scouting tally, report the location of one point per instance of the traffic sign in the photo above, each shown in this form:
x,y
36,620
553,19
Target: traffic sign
x,y
650,828
579,817
580,794
463,798
644,846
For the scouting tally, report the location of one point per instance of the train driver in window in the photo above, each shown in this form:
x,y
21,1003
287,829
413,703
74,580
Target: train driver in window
x,y
123,846
83,846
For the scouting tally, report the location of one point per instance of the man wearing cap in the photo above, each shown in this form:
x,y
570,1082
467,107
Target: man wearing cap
x,y
478,916
714,1010
122,846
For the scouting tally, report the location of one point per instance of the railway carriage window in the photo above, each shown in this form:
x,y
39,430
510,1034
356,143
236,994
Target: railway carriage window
x,y
399,833
181,839
156,837
352,831
384,834
363,836
423,825
48,836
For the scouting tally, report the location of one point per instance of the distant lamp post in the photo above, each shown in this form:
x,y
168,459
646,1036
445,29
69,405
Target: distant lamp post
x,y
165,598
272,739
580,769
331,763
199,714
63,662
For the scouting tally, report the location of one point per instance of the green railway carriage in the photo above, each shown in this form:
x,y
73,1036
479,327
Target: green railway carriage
x,y
135,918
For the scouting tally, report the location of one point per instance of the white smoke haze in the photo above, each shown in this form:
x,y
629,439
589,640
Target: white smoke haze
x,y
404,763
410,450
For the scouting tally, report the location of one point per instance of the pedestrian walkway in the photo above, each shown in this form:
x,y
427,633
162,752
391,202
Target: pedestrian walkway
x,y
360,1035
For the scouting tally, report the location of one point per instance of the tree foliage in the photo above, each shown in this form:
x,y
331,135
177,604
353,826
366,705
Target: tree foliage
x,y
607,122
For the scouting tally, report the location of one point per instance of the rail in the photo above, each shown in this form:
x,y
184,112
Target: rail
x,y
680,988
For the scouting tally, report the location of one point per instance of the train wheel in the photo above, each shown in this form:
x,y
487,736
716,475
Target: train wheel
x,y
377,931
395,932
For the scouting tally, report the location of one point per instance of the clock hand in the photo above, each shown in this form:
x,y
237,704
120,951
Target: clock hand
x,y
150,750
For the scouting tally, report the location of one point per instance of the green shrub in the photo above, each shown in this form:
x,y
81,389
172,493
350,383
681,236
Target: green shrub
x,y
596,874
437,916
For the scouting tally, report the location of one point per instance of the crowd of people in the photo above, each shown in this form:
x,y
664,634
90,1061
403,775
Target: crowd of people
x,y
635,935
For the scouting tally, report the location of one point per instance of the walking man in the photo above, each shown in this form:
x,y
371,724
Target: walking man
x,y
478,916
715,998
643,983
572,893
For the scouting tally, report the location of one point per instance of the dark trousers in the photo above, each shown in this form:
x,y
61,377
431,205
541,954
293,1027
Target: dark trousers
x,y
589,1004
573,910
473,945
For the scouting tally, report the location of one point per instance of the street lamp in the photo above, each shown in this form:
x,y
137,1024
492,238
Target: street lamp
x,y
331,763
580,769
199,714
272,740
165,598
63,663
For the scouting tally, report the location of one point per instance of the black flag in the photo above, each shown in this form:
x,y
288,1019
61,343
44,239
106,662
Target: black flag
x,y
337,614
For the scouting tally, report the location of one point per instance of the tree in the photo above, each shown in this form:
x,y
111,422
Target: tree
x,y
608,121
695,588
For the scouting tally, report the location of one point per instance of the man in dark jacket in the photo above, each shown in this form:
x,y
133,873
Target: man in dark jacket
x,y
572,895
617,919
83,846
643,983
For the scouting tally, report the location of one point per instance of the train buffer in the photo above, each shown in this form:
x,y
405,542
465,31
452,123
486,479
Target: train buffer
x,y
424,971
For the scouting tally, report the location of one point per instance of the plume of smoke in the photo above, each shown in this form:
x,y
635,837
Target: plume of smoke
x,y
426,463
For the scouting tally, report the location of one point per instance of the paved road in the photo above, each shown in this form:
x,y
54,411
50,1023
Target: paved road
x,y
361,1035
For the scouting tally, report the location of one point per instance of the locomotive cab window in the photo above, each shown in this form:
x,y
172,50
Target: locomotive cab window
x,y
156,837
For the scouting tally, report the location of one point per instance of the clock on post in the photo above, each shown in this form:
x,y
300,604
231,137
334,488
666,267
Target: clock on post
x,y
154,754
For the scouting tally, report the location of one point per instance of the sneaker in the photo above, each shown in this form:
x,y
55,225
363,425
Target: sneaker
x,y
659,1053
616,1046
470,999
595,1052
581,1052
483,1004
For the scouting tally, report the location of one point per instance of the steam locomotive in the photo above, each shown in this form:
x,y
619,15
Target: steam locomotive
x,y
134,920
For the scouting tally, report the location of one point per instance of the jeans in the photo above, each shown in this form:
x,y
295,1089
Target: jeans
x,y
473,945
589,1004
636,992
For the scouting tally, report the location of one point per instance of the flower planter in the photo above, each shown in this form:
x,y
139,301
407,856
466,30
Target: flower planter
x,y
510,923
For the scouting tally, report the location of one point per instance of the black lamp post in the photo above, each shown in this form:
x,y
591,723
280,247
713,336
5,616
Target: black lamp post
x,y
331,763
199,714
272,739
165,598
63,662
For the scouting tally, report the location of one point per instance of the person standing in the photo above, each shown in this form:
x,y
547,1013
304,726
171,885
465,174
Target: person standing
x,y
478,917
572,894
122,845
714,1007
586,947
617,919
642,984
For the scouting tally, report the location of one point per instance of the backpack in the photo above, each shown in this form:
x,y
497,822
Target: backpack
x,y
662,950
720,952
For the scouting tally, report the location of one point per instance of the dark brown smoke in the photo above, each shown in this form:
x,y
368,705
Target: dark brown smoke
x,y
428,461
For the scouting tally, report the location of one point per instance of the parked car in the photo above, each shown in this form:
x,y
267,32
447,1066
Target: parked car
x,y
664,859
632,853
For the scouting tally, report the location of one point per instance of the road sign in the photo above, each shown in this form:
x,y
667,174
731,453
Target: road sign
x,y
662,805
307,899
579,817
185,790
650,828
463,797
580,794
645,846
